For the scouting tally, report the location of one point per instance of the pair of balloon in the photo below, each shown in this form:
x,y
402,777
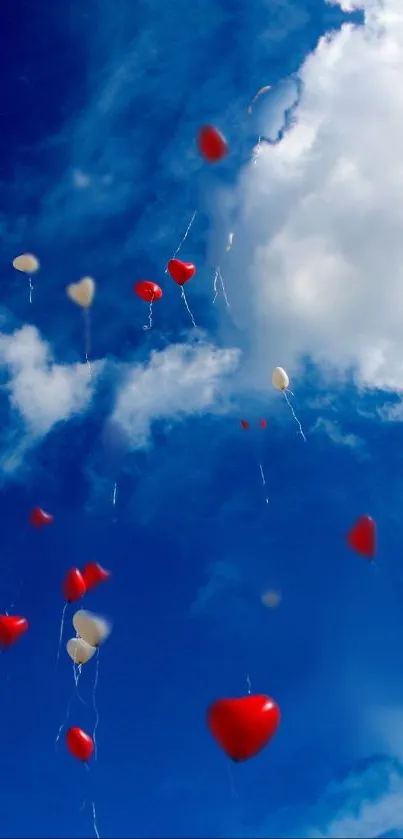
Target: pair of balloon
x,y
77,583
92,630
245,424
241,727
180,271
81,293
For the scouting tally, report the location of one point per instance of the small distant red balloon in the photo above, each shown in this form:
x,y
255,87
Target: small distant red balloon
x,y
147,290
180,271
11,629
362,537
79,743
39,518
244,424
263,423
93,574
74,585
243,727
212,144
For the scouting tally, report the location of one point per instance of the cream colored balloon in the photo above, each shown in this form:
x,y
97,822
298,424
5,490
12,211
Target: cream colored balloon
x,y
92,628
271,599
27,263
79,651
280,379
83,292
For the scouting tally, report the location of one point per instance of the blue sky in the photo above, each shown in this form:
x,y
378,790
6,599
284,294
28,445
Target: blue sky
x,y
100,175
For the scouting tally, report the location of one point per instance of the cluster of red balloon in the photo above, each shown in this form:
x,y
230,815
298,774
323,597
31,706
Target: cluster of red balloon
x,y
213,147
90,633
75,585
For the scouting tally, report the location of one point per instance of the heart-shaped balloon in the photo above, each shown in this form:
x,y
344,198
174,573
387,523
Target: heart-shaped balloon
x,y
94,574
79,743
39,518
82,293
362,537
180,271
11,629
73,585
243,727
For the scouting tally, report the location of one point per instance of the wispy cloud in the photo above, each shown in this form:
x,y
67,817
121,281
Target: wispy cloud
x,y
40,392
336,435
182,380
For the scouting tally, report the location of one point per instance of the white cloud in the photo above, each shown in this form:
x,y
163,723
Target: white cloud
x,y
181,380
316,266
43,392
367,803
336,435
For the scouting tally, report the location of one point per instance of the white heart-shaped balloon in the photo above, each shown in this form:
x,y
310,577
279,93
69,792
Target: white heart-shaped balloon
x,y
79,651
83,292
92,628
27,263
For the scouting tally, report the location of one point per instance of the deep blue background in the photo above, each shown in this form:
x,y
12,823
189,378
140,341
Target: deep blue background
x,y
118,91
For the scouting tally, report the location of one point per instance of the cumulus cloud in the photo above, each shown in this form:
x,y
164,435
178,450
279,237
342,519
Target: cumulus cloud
x,y
369,802
316,267
181,380
40,390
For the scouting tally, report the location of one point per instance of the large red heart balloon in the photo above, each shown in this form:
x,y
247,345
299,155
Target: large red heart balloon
x,y
180,271
213,146
74,585
243,727
11,629
79,743
39,518
93,574
362,537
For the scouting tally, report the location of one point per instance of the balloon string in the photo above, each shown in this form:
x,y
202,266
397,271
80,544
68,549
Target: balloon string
x,y
74,692
150,315
218,276
61,634
94,812
77,671
66,719
94,703
215,280
184,298
87,338
249,684
183,240
31,288
115,489
263,480
294,414
232,782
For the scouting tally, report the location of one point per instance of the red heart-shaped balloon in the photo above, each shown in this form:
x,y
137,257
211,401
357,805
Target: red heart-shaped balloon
x,y
79,743
11,629
93,574
243,727
180,271
362,537
74,585
212,144
39,518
